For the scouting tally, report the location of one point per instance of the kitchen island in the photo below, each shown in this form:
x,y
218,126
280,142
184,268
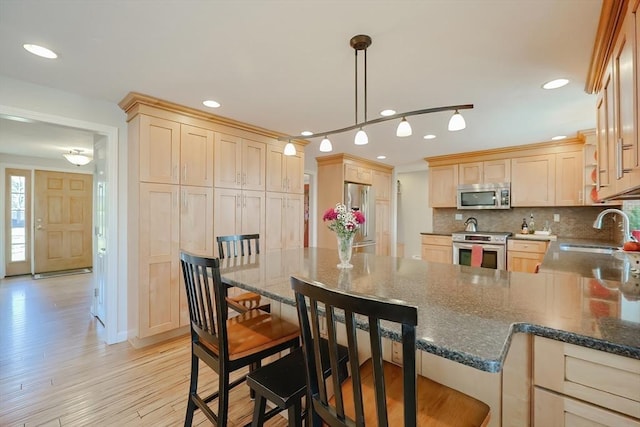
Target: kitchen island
x,y
469,316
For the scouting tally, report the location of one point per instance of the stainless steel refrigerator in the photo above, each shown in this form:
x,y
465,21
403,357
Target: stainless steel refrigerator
x,y
361,197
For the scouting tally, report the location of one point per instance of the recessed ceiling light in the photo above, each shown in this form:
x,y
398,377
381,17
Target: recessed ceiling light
x,y
559,137
430,136
555,84
381,157
306,133
40,51
211,103
386,113
16,118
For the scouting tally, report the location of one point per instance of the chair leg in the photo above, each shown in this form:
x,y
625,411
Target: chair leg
x,y
295,414
193,388
258,411
223,397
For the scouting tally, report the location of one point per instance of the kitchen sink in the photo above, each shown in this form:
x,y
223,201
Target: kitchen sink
x,y
594,249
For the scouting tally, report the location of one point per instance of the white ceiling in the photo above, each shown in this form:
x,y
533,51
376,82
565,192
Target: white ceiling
x,y
287,65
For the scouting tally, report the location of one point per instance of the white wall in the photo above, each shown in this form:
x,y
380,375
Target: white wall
x,y
414,214
41,100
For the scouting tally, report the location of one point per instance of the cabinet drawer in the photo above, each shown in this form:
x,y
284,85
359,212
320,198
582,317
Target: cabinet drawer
x,y
436,240
604,379
527,246
551,410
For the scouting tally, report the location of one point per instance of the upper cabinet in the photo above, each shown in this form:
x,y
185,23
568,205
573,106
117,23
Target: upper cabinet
x,y
358,174
284,173
544,174
174,153
493,171
382,185
239,163
615,76
443,184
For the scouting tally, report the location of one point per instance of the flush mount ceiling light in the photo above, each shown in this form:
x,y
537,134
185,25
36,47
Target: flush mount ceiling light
x,y
361,43
77,158
555,84
211,103
43,52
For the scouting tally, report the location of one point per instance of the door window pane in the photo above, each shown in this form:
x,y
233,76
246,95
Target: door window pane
x,y
18,230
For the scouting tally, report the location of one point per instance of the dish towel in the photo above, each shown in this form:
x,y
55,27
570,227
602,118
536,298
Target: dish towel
x,y
476,256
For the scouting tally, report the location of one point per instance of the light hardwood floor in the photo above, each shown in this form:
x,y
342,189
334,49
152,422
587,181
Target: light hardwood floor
x,y
56,370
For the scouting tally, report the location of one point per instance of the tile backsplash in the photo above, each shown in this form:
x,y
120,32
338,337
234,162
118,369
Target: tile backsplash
x,y
575,222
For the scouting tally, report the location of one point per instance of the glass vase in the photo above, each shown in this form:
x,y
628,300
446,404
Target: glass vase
x,y
345,246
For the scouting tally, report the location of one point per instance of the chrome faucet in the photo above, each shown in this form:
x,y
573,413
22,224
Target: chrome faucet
x,y
625,223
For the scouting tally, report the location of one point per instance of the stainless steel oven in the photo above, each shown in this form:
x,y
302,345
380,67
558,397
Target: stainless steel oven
x,y
494,248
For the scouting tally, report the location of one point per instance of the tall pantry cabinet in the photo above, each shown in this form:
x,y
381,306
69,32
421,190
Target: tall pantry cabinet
x,y
191,176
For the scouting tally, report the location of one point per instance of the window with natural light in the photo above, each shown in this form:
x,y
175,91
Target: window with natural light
x,y
18,230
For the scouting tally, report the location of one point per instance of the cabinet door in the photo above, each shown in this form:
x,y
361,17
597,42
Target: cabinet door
x,y
293,228
382,185
253,213
228,161
434,253
196,156
569,179
443,186
254,164
470,173
196,220
159,269
604,178
228,208
533,181
275,168
294,173
382,227
159,150
625,111
358,174
525,262
496,171
555,410
275,211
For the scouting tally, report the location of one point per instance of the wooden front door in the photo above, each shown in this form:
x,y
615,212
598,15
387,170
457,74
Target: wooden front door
x,y
63,221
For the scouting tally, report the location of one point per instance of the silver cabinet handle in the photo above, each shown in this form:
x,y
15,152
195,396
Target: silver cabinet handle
x,y
184,172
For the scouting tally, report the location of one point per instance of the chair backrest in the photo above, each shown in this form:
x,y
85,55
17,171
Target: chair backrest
x,y
207,300
238,244
352,309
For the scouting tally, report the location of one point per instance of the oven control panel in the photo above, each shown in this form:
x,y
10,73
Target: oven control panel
x,y
479,237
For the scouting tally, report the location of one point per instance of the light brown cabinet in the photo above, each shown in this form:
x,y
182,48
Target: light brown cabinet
x,y
534,181
358,174
437,249
577,386
284,173
488,172
443,185
525,255
239,163
239,212
569,179
336,169
285,216
156,299
192,177
617,111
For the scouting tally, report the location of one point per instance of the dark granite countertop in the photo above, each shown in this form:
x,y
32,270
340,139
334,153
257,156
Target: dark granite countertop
x,y
465,314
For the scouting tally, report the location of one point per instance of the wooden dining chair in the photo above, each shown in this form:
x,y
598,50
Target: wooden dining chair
x,y
377,392
241,245
225,344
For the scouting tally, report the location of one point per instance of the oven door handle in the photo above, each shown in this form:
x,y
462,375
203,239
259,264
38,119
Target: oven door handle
x,y
484,246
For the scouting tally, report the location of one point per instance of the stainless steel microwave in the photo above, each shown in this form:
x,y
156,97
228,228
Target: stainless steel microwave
x,y
484,196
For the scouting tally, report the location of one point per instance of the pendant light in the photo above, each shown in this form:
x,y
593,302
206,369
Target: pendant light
x,y
360,43
456,122
289,149
325,145
404,128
